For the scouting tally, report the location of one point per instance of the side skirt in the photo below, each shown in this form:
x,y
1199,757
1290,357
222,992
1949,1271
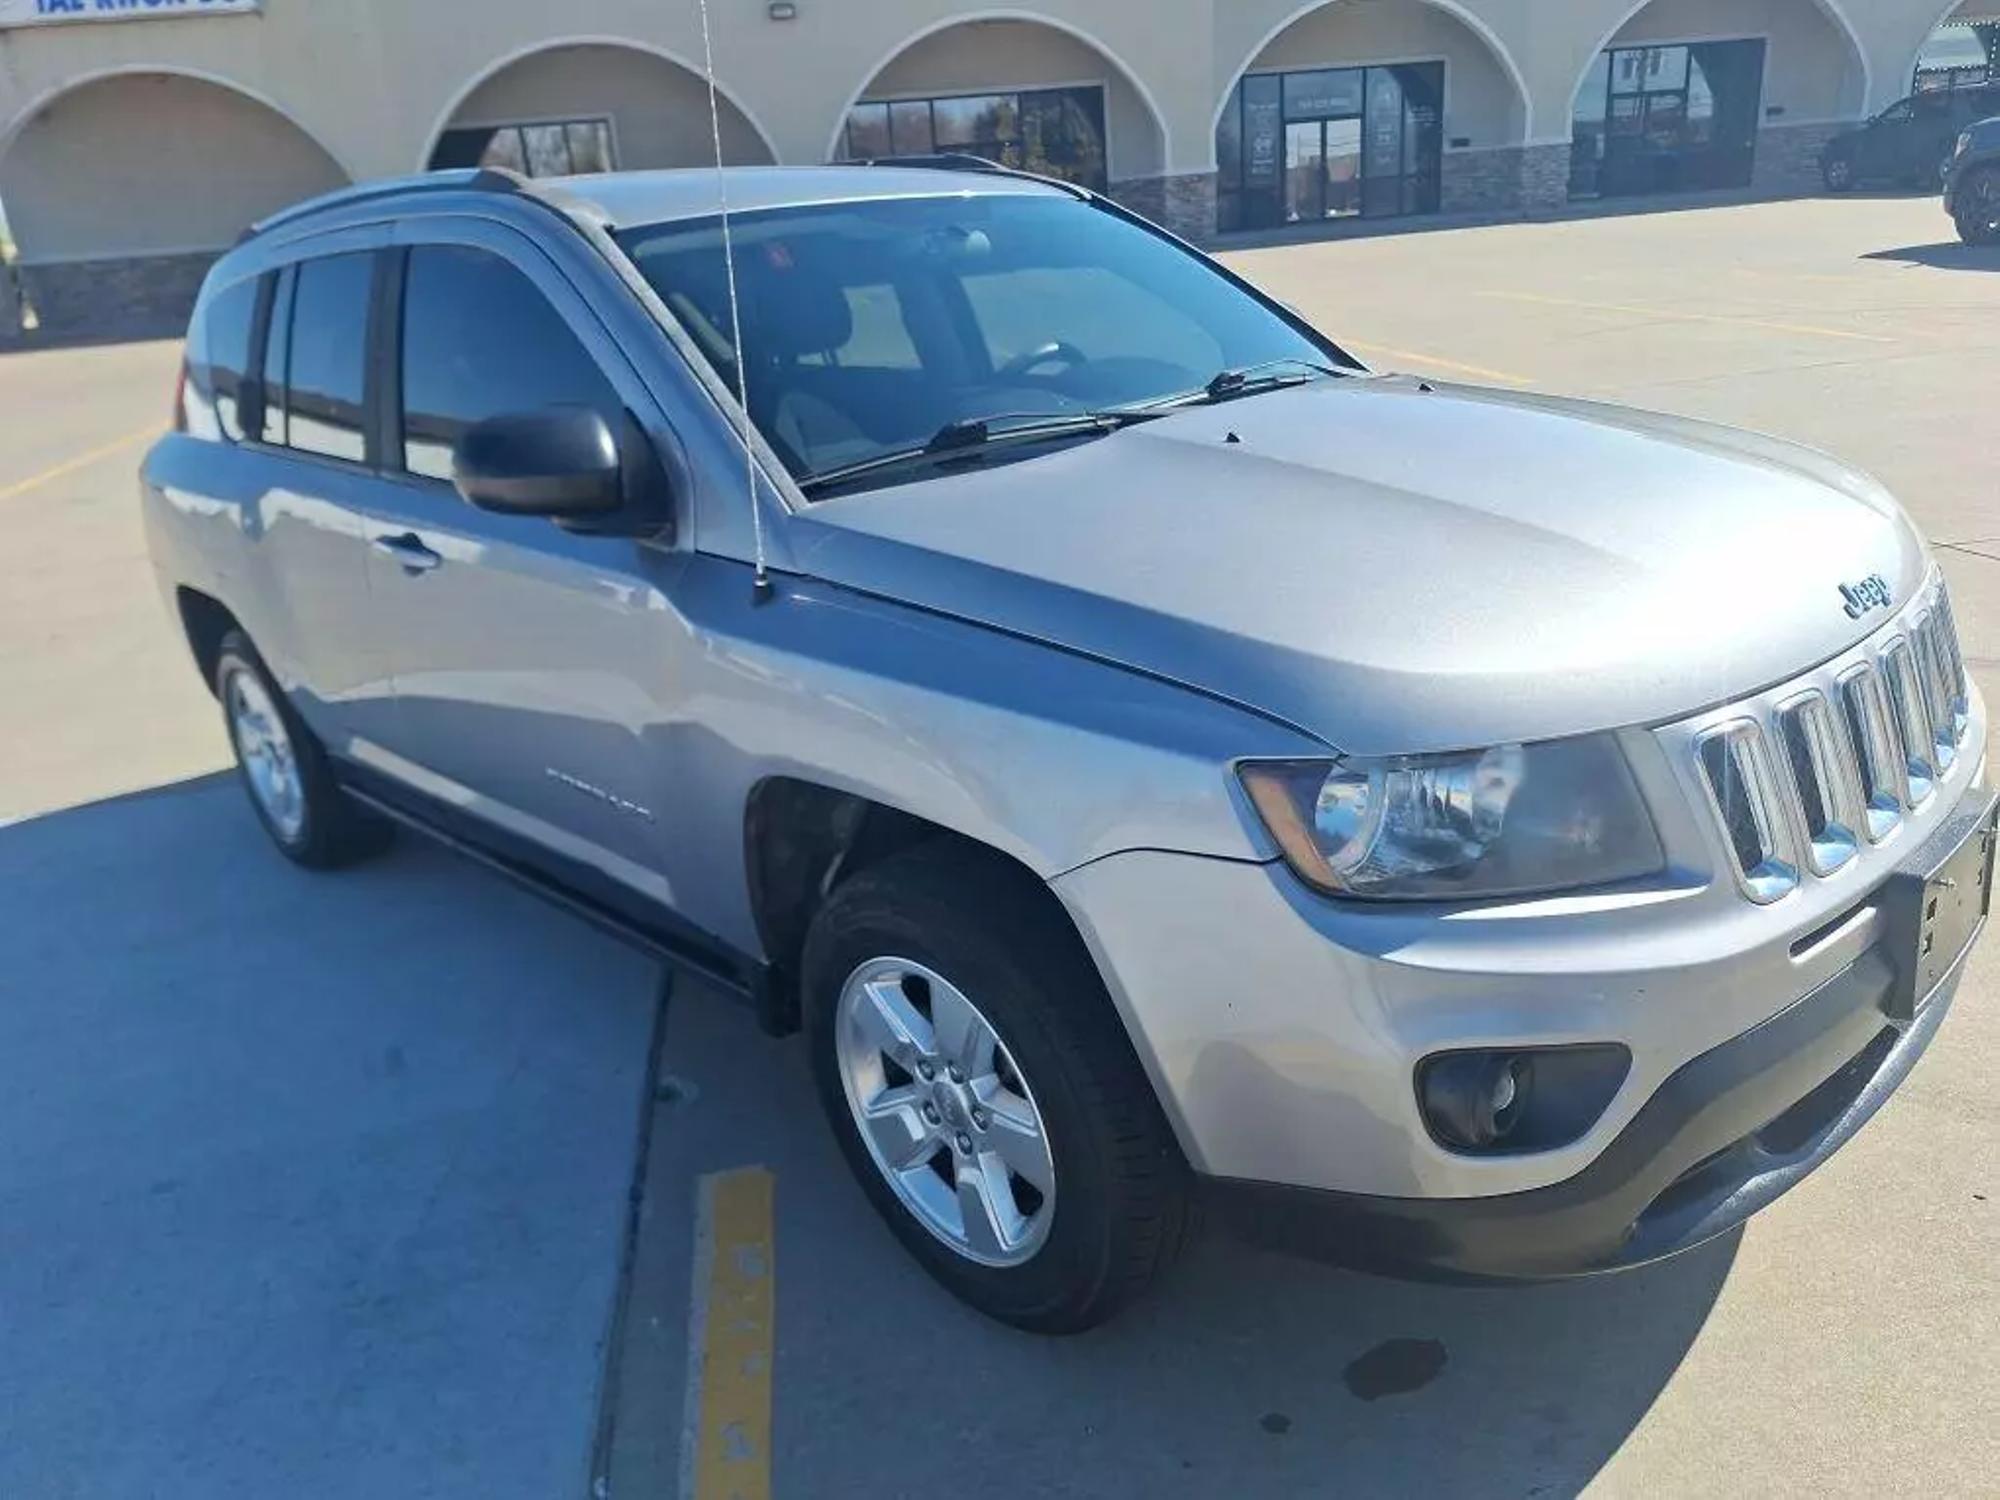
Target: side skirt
x,y
577,889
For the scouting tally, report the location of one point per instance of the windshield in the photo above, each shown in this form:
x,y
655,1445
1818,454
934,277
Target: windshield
x,y
873,327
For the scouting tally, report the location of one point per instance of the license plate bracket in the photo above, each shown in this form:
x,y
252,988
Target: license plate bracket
x,y
1937,903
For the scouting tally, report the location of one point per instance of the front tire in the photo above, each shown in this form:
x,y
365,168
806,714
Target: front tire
x,y
1976,208
284,768
985,1093
1837,172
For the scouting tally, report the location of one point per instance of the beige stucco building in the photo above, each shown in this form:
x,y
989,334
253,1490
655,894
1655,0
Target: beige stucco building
x,y
131,150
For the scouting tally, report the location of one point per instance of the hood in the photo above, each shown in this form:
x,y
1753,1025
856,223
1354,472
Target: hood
x,y
1395,566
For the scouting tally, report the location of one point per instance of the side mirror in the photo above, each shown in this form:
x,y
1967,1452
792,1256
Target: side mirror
x,y
567,463
562,463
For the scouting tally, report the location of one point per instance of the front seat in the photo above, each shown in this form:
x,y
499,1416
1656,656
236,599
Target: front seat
x,y
794,313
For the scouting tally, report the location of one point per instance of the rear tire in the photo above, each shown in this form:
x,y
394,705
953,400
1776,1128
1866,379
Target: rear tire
x,y
945,935
284,768
1977,207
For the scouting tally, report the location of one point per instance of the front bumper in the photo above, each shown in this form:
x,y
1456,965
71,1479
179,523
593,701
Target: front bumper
x,y
1283,1034
1720,1139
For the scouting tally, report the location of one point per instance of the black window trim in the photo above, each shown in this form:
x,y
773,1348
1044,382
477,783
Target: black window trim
x,y
253,396
284,290
385,367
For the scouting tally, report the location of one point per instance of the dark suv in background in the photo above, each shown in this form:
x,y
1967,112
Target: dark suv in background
x,y
1909,142
1972,184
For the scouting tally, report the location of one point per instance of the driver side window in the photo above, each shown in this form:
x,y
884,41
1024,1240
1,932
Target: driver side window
x,y
480,340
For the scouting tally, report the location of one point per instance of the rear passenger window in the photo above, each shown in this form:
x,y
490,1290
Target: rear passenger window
x,y
327,384
227,381
480,340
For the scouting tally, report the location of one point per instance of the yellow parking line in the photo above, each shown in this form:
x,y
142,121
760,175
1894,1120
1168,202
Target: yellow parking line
x,y
1680,316
71,465
1435,361
728,1437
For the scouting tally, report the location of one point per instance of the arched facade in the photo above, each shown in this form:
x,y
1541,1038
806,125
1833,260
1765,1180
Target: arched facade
x,y
114,195
1694,94
1370,108
152,139
1021,89
591,105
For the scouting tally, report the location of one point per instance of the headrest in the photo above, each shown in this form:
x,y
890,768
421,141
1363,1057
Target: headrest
x,y
795,310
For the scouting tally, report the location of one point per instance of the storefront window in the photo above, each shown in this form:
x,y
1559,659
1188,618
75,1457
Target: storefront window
x,y
1657,119
1330,143
1056,132
546,148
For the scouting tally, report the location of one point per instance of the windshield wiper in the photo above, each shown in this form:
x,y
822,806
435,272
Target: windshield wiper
x,y
956,439
1236,381
1247,380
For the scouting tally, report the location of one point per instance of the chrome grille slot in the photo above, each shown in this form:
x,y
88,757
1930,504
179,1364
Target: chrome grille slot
x,y
1943,682
1954,665
1807,777
1828,790
1866,710
1745,794
1912,719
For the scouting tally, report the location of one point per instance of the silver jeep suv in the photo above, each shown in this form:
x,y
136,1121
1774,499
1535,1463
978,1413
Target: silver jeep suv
x,y
1154,759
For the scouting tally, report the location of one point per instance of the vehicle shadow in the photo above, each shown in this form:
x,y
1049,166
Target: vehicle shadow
x,y
1247,1373
309,1184
305,1155
1946,255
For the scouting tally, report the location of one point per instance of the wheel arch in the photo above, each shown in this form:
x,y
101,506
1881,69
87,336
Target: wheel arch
x,y
802,838
205,620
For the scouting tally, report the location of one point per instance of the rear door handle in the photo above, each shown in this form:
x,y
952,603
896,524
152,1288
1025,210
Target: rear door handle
x,y
409,551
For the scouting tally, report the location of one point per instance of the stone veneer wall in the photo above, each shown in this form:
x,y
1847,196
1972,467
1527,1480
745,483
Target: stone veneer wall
x,y
1788,157
1485,181
1505,180
1183,204
10,307
143,296
1545,177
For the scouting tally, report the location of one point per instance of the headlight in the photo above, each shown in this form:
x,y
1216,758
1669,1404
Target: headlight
x,y
1509,821
1964,145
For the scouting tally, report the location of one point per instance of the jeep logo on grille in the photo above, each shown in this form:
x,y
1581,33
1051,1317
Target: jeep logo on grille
x,y
1871,592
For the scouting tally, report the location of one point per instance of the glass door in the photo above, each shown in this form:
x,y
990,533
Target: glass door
x,y
1305,171
1343,168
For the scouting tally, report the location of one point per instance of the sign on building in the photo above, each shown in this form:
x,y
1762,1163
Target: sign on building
x,y
54,12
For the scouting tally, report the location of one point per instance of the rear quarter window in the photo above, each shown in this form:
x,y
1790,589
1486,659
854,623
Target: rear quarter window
x,y
219,377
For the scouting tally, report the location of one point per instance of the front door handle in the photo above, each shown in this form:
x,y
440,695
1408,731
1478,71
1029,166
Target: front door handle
x,y
409,551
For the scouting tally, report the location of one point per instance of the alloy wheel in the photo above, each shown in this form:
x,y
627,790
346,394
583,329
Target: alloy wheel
x,y
264,746
1985,195
945,1112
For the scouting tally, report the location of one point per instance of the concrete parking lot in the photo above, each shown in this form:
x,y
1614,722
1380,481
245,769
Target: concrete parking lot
x,y
319,1186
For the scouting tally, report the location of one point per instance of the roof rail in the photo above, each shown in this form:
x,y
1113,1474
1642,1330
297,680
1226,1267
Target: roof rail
x,y
463,180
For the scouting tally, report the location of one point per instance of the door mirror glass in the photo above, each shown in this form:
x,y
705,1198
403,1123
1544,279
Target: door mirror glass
x,y
562,462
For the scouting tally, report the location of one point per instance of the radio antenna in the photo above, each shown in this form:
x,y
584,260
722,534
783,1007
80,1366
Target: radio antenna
x,y
761,579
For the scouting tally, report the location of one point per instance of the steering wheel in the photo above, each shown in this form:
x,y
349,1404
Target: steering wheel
x,y
1053,351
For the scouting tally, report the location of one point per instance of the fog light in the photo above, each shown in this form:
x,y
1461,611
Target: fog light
x,y
1524,1099
1473,1100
